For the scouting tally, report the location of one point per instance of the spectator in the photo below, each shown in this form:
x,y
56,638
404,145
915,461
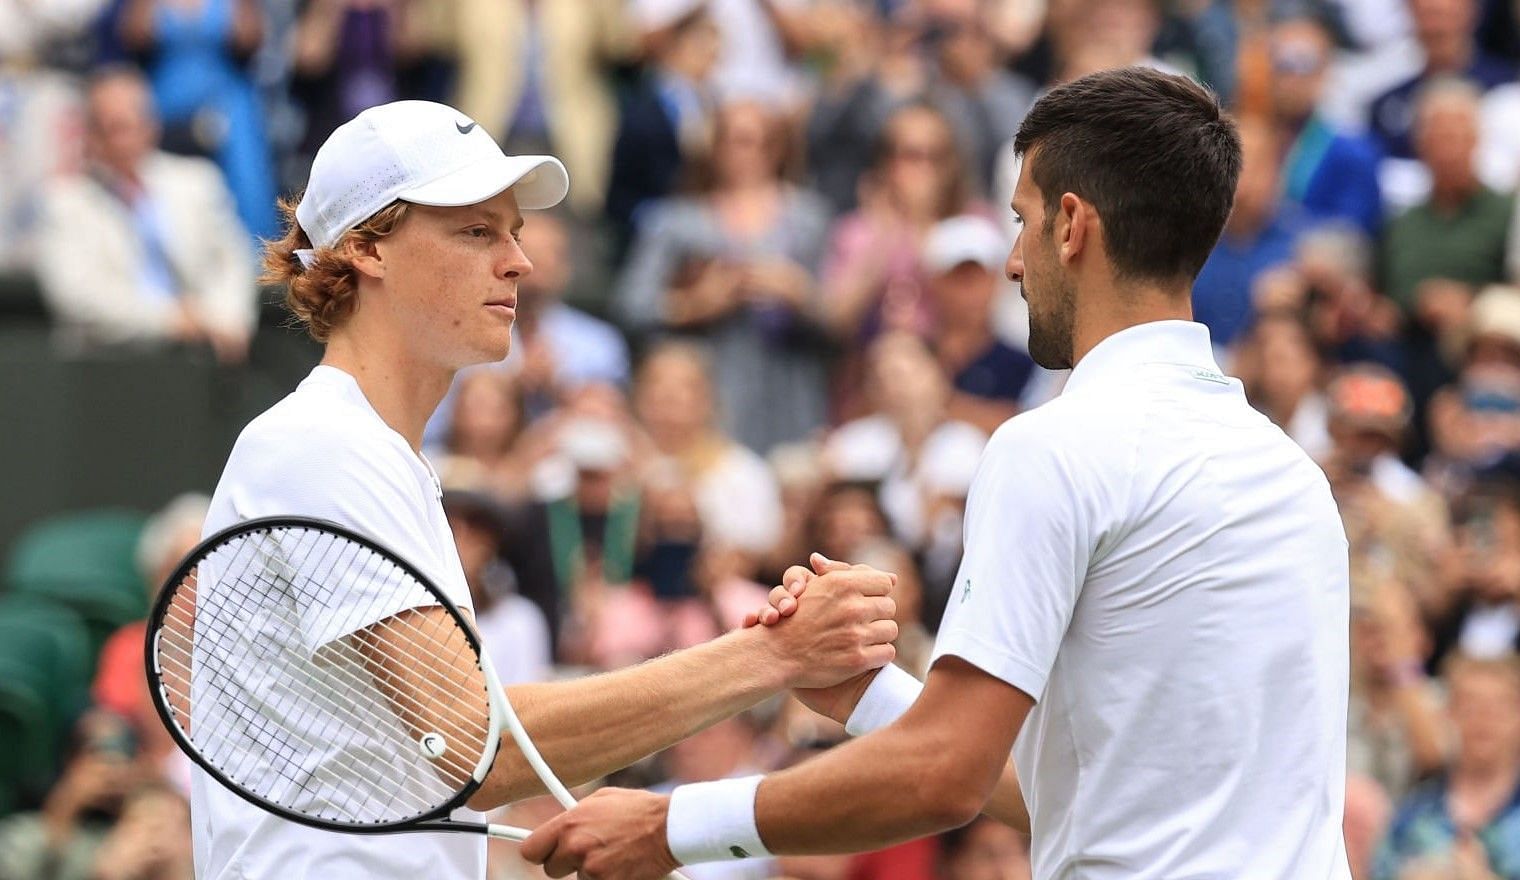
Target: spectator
x,y
1469,817
167,261
1475,423
1397,526
984,100
667,118
909,445
63,839
1459,233
119,684
535,73
484,430
585,520
39,116
964,257
152,839
558,348
1282,372
1327,173
759,40
513,631
859,89
350,55
1396,735
846,518
197,54
1351,321
737,499
873,275
1444,29
1260,234
1479,617
734,265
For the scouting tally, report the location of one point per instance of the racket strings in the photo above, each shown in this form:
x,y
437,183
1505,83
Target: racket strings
x,y
306,667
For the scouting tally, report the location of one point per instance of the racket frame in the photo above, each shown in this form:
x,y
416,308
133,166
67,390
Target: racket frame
x,y
432,820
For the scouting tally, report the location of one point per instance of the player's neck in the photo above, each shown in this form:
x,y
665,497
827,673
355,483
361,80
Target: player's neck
x,y
401,390
1121,306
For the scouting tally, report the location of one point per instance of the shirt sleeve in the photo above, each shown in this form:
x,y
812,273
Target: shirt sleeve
x,y
1028,542
356,481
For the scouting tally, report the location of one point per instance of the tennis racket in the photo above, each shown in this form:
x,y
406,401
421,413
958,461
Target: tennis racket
x,y
323,678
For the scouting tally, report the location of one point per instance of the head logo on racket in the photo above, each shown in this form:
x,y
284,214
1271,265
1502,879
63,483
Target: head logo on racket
x,y
433,745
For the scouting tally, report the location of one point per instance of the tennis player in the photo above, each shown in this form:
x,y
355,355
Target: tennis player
x,y
402,256
1152,608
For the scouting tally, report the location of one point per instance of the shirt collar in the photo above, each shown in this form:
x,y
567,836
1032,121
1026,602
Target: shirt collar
x,y
1167,342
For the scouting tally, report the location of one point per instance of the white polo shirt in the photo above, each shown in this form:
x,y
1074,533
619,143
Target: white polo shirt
x,y
324,452
1165,573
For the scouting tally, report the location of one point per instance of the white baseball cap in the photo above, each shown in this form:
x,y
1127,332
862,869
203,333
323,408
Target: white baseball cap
x,y
420,152
965,239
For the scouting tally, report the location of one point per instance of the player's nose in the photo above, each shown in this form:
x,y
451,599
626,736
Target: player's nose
x,y
1014,268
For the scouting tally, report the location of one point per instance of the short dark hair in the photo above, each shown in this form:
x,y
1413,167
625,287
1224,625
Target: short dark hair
x,y
1152,152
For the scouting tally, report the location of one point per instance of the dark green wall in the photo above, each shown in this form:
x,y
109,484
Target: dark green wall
x,y
126,429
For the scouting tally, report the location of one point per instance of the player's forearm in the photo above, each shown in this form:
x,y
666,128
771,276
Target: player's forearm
x,y
887,697
590,727
870,793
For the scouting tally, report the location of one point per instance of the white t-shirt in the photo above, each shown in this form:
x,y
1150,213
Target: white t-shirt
x,y
324,452
1165,572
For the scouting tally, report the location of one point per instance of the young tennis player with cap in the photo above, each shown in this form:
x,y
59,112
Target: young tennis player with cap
x,y
402,256
1153,601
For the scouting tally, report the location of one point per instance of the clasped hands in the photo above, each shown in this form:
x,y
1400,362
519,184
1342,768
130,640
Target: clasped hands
x,y
828,628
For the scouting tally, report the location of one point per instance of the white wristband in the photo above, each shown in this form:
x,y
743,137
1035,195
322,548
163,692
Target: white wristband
x,y
886,698
714,821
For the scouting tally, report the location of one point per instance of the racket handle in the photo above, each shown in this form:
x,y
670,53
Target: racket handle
x,y
507,832
512,832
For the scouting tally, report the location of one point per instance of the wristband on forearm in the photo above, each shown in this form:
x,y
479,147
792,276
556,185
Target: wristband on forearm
x,y
886,698
714,821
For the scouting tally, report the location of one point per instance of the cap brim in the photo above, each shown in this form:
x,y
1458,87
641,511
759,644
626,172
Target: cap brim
x,y
538,182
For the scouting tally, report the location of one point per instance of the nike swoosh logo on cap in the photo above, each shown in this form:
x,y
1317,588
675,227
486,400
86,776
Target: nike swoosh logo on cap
x,y
464,129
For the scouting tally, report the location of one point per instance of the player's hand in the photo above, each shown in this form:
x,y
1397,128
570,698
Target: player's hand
x,y
842,626
834,701
783,599
615,834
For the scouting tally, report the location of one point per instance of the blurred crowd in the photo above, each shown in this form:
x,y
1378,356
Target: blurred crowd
x,y
773,319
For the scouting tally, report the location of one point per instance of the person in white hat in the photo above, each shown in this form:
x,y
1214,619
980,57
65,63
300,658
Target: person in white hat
x,y
402,256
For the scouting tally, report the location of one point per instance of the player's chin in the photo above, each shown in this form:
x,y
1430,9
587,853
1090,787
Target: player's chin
x,y
491,348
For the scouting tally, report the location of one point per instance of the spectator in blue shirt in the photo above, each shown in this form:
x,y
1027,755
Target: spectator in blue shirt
x,y
1260,234
1329,174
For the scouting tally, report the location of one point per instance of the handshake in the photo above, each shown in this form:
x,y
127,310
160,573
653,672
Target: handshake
x,y
828,628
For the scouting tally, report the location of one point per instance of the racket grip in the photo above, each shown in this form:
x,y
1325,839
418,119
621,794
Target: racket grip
x,y
507,832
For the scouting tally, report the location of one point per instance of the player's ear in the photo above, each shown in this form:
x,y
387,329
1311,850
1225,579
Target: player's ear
x,y
1072,219
365,257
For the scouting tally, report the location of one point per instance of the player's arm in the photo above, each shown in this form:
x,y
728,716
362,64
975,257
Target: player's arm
x,y
876,698
941,761
589,727
932,770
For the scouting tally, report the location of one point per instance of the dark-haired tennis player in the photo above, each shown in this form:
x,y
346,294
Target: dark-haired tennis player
x,y
403,258
1152,607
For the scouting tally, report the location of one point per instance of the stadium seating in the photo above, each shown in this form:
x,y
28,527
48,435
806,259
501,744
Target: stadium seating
x,y
86,562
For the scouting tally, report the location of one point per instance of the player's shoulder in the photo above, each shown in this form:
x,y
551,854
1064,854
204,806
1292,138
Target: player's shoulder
x,y
319,435
1066,422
